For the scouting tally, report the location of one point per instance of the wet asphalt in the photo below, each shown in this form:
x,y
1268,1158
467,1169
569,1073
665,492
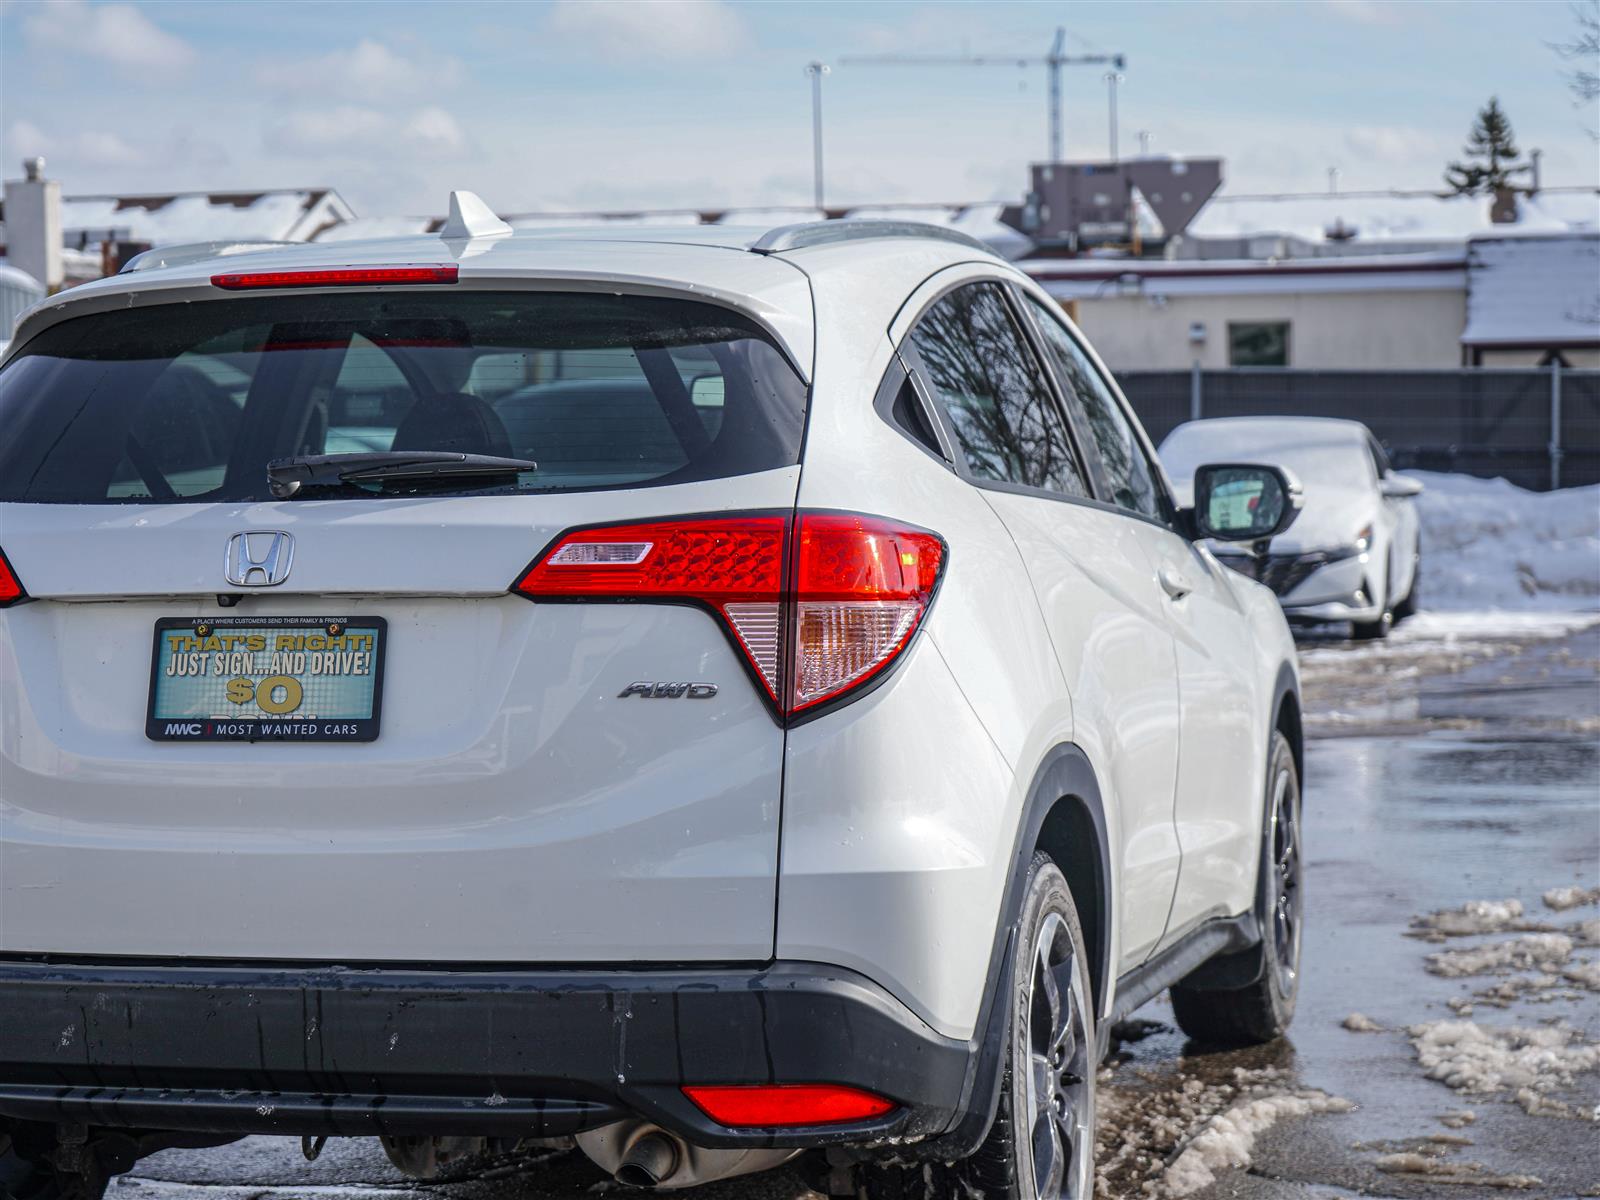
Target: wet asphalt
x,y
1459,761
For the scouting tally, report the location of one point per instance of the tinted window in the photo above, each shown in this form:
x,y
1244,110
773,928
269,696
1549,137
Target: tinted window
x,y
1004,416
1258,344
190,402
1128,471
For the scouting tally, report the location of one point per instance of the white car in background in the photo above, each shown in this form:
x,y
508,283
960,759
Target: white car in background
x,y
1354,553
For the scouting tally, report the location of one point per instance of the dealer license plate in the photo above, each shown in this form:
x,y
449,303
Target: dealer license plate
x,y
265,679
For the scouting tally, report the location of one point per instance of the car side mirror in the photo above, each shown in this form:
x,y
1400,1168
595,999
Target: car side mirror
x,y
1243,502
1399,487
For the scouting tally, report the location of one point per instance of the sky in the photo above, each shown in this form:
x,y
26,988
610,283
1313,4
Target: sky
x,y
617,104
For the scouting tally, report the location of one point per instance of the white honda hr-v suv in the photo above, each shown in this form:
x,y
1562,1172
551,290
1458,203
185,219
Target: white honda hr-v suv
x,y
712,696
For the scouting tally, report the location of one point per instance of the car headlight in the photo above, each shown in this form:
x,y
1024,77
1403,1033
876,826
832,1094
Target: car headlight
x,y
1360,546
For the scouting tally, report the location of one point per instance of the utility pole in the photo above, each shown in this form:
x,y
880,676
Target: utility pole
x,y
816,70
1053,62
1112,79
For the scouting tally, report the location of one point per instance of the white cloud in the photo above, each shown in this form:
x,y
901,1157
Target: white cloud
x,y
350,131
78,149
636,29
114,33
1365,12
327,131
369,70
435,130
1393,145
82,149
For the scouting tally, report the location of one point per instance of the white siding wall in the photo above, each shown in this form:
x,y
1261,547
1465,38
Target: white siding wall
x,y
1379,328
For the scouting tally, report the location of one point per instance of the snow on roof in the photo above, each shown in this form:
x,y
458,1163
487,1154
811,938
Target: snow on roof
x,y
1399,216
1533,291
362,228
279,216
19,280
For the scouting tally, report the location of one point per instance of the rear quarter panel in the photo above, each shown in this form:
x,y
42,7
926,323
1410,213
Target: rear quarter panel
x,y
901,810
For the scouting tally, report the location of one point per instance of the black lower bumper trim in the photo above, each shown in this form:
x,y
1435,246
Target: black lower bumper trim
x,y
333,1050
284,1112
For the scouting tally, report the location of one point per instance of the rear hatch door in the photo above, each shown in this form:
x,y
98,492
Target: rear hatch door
x,y
368,749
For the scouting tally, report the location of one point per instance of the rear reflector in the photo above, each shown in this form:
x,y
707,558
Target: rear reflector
x,y
818,605
10,586
783,1104
238,281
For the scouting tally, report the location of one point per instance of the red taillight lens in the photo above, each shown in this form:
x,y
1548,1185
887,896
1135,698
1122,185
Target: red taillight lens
x,y
861,586
10,586
239,281
766,1106
734,564
845,604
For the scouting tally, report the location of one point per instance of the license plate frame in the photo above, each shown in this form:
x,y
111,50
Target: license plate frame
x,y
209,727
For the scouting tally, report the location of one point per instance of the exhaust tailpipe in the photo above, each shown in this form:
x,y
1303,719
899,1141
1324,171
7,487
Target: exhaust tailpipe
x,y
651,1161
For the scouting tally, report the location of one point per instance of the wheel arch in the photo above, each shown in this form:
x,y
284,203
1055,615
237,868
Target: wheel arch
x,y
1286,716
1063,815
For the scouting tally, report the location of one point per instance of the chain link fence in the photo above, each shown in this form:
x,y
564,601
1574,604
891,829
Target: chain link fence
x,y
1538,427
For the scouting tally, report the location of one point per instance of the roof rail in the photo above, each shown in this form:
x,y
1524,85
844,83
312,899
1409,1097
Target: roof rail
x,y
189,252
823,233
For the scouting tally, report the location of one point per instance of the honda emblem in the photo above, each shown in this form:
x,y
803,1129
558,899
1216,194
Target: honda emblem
x,y
259,558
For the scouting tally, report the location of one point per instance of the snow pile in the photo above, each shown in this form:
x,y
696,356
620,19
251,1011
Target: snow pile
x,y
1562,898
1489,544
1585,974
1230,1137
1475,916
1543,950
1361,1023
1172,1141
1480,1060
1432,1164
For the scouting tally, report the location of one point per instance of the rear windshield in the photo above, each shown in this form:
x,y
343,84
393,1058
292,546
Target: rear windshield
x,y
189,402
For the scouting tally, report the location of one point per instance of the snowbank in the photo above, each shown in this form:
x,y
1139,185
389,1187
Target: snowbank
x,y
1487,544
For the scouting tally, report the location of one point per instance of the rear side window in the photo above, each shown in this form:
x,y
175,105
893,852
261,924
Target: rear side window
x,y
989,381
190,402
1128,471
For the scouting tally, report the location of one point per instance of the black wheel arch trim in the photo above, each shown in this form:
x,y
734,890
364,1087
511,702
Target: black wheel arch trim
x,y
1065,776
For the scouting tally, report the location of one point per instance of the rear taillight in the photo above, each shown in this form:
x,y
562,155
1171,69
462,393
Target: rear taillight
x,y
776,1105
819,605
10,586
238,281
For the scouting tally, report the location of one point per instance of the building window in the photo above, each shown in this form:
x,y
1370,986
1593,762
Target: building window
x,y
1258,344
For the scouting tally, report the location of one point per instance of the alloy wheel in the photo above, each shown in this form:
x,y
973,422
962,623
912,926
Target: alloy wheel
x,y
1060,1069
1286,878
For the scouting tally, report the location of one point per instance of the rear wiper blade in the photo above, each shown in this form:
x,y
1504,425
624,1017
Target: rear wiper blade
x,y
287,476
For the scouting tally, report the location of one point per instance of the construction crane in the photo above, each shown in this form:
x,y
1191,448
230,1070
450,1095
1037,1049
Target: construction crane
x,y
1053,62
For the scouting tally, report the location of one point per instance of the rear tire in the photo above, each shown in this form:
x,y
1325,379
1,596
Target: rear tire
x,y
1041,1145
1261,1010
31,1179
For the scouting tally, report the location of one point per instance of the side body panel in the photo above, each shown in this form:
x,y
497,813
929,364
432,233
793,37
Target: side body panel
x,y
1109,629
901,809
1222,756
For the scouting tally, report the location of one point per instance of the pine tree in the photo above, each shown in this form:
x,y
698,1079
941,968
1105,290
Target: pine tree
x,y
1492,143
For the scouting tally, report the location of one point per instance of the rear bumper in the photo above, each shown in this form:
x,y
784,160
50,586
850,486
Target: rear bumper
x,y
332,1050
